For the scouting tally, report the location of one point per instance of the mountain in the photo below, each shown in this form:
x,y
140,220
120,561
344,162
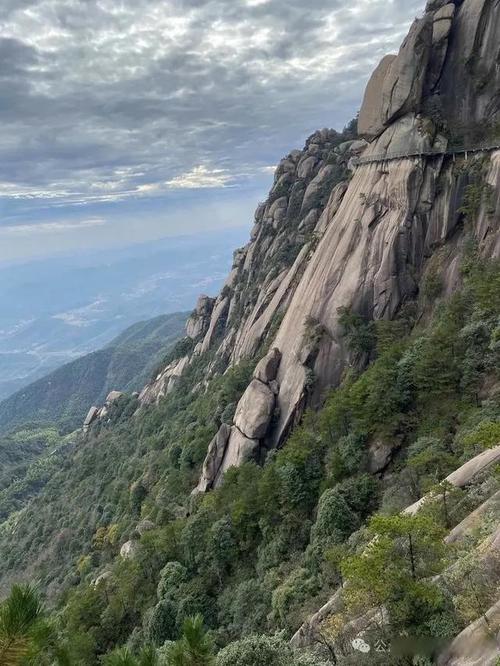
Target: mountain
x,y
58,309
65,395
314,468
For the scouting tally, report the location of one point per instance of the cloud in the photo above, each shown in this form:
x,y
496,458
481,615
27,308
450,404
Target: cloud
x,y
84,316
199,178
49,227
112,100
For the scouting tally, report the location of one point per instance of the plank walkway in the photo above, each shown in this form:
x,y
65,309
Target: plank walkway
x,y
387,157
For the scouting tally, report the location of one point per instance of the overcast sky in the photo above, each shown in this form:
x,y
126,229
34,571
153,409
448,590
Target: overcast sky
x,y
128,120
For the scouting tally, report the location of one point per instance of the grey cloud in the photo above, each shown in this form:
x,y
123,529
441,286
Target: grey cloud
x,y
116,94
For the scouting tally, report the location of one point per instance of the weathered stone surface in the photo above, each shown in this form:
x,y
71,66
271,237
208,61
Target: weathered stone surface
x,y
129,550
403,85
316,187
371,117
441,23
214,459
90,418
199,321
113,396
164,383
306,167
267,368
239,449
102,579
379,455
396,86
255,410
470,78
473,520
219,313
477,645
464,474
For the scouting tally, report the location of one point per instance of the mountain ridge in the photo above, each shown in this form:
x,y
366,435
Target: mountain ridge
x,y
65,395
346,375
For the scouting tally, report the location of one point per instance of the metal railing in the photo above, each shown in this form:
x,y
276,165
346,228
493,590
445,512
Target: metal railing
x,y
387,157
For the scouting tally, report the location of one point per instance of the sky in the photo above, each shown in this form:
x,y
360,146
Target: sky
x,y
124,121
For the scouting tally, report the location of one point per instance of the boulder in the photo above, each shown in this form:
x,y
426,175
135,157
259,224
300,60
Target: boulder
x,y
371,121
198,322
255,410
277,206
129,550
102,578
213,459
239,449
92,415
403,85
113,397
316,186
441,24
379,456
306,167
267,368
396,86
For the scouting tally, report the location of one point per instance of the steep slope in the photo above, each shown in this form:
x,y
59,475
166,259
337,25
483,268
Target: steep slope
x,y
362,239
369,292
125,364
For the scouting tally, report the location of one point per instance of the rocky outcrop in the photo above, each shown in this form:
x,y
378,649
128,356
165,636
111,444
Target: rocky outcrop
x,y
447,67
473,520
333,234
90,418
460,478
478,644
255,410
213,460
397,84
464,475
267,271
129,550
254,414
199,321
470,80
99,414
164,383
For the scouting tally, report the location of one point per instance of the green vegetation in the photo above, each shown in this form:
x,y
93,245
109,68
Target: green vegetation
x,y
214,579
26,634
126,364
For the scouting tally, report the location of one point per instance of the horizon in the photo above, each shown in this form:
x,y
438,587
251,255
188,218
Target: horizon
x,y
105,140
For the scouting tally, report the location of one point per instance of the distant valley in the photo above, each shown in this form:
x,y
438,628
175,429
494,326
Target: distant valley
x,y
55,311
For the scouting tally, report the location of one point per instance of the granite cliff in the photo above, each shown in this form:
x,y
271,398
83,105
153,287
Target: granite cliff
x,y
356,222
326,435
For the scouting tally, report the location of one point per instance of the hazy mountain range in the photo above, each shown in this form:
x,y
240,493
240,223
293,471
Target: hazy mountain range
x,y
56,310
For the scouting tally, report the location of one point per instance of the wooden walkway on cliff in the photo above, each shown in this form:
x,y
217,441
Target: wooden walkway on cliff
x,y
388,157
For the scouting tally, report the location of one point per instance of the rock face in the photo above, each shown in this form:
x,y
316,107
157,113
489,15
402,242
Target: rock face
x,y
254,411
90,418
235,445
334,234
397,84
164,382
213,461
477,645
98,414
198,323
